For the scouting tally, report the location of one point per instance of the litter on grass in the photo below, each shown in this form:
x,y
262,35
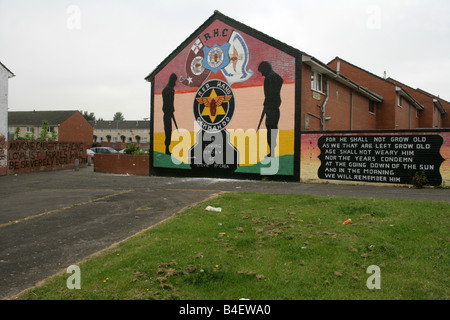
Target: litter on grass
x,y
209,208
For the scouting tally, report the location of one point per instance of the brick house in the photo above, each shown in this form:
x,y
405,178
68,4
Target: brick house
x,y
434,113
399,109
222,60
439,104
126,131
68,125
331,101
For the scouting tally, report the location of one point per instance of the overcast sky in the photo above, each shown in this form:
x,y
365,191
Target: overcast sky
x,y
93,55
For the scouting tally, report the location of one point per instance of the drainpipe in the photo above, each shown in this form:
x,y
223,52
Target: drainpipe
x,y
351,110
410,110
322,108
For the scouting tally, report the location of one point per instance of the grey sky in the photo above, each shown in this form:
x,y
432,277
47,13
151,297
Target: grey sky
x,y
94,54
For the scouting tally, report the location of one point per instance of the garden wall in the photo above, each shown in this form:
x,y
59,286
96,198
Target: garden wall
x,y
122,164
25,156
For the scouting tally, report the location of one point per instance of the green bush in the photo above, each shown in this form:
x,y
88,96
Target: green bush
x,y
134,150
420,180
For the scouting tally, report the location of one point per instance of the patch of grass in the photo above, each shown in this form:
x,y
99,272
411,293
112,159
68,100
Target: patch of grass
x,y
265,246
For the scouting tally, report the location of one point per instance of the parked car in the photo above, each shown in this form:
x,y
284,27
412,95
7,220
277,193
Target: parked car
x,y
92,151
89,155
103,150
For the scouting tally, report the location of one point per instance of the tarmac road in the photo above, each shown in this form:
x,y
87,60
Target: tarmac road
x,y
51,220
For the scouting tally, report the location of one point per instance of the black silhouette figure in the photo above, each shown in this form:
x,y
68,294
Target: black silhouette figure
x,y
168,95
272,89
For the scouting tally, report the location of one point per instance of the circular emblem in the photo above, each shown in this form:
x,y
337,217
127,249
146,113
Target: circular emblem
x,y
214,105
197,66
215,57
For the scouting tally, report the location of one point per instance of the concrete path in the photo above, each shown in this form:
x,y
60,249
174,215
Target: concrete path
x,y
51,220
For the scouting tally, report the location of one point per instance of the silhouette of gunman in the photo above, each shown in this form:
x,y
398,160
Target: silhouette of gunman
x,y
168,95
272,88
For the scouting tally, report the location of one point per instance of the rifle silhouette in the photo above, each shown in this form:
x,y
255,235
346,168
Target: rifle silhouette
x,y
260,121
174,121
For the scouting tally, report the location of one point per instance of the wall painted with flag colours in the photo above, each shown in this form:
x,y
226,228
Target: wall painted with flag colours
x,y
221,137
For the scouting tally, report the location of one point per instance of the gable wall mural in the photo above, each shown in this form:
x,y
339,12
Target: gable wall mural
x,y
225,105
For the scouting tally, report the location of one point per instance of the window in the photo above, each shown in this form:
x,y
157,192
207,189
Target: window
x,y
316,81
399,100
371,106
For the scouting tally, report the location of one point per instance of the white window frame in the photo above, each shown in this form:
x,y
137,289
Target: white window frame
x,y
316,81
399,101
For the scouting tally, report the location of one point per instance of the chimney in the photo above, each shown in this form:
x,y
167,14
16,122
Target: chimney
x,y
384,75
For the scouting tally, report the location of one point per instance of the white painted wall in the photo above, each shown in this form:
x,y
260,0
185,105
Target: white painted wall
x,y
5,74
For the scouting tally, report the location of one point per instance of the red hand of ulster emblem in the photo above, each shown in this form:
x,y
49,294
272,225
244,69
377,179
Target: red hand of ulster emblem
x,y
213,107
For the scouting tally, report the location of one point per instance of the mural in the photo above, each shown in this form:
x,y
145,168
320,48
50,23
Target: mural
x,y
393,158
224,105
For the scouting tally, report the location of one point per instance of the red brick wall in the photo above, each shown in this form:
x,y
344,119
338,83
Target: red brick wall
x,y
362,118
430,117
122,164
26,156
338,107
309,104
402,115
386,110
427,116
76,128
446,117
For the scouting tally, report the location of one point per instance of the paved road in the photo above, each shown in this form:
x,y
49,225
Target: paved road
x,y
51,220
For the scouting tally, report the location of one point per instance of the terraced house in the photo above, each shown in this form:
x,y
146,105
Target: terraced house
x,y
403,107
65,125
127,131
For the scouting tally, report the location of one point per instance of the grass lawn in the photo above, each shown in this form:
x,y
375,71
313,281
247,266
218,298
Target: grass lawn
x,y
273,247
